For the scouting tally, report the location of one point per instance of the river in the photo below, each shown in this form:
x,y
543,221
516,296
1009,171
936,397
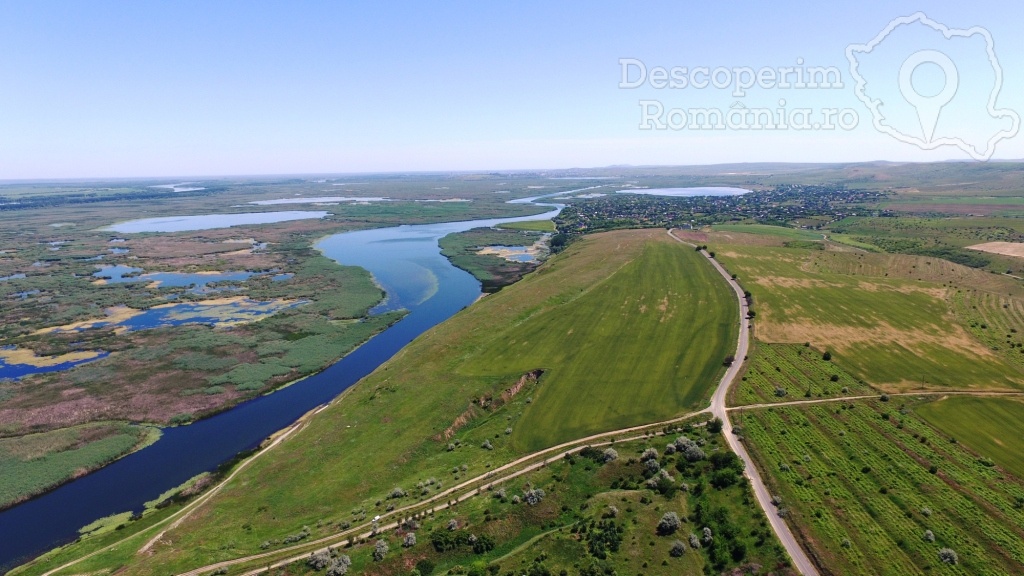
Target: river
x,y
405,260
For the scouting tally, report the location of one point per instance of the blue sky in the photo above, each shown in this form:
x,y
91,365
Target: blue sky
x,y
97,89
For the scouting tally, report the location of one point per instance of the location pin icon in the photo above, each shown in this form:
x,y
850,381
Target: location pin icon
x,y
928,107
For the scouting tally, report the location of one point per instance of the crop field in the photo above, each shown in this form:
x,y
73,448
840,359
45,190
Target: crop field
x,y
787,372
36,462
886,319
638,347
989,427
762,229
422,416
871,488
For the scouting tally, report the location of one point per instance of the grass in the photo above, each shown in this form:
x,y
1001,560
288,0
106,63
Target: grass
x,y
988,426
34,463
610,345
788,372
764,229
531,225
861,482
493,271
888,320
394,428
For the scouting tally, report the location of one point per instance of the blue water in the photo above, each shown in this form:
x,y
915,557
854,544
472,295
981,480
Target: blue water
x,y
196,283
688,192
405,260
15,371
209,221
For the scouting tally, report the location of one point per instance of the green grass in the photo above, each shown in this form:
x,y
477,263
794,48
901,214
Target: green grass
x,y
532,225
861,472
493,271
788,372
640,346
389,430
766,230
33,463
990,427
886,319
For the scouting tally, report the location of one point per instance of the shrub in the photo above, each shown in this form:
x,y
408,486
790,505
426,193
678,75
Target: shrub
x,y
397,492
409,541
670,449
425,566
694,541
780,392
649,454
948,556
380,550
339,566
453,524
319,560
533,497
652,466
610,454
929,536
693,453
708,538
826,356
926,511
487,445
678,549
669,523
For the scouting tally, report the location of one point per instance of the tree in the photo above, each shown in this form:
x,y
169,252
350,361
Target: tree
x,y
948,556
410,540
678,549
715,425
669,523
425,567
339,566
380,550
609,454
826,356
319,560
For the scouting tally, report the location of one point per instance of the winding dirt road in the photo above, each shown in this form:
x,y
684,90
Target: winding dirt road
x,y
801,561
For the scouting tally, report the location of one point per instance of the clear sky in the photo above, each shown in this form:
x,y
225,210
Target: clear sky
x,y
98,89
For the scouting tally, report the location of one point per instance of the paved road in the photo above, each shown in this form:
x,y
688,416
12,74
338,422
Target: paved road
x,y
799,558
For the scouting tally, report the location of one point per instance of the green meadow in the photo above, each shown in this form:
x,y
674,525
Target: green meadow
x,y
989,426
887,319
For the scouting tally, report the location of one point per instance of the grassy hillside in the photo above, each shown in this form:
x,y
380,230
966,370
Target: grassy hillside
x,y
990,427
427,413
637,347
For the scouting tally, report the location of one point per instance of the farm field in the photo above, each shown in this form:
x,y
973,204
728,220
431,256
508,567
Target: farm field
x,y
989,427
639,346
886,319
763,229
788,372
438,411
872,488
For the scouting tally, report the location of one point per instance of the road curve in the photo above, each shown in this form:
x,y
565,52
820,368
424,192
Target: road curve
x,y
800,560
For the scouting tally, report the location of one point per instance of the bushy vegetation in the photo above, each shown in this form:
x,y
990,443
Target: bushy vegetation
x,y
34,463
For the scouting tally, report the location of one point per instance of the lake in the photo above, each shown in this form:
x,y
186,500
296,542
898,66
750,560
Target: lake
x,y
210,221
688,192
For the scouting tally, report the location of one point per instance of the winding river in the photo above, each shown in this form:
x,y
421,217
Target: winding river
x,y
405,260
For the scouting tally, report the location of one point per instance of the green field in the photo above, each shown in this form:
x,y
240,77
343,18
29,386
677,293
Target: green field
x,y
861,483
887,319
34,463
637,347
787,372
530,225
766,230
990,427
427,412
